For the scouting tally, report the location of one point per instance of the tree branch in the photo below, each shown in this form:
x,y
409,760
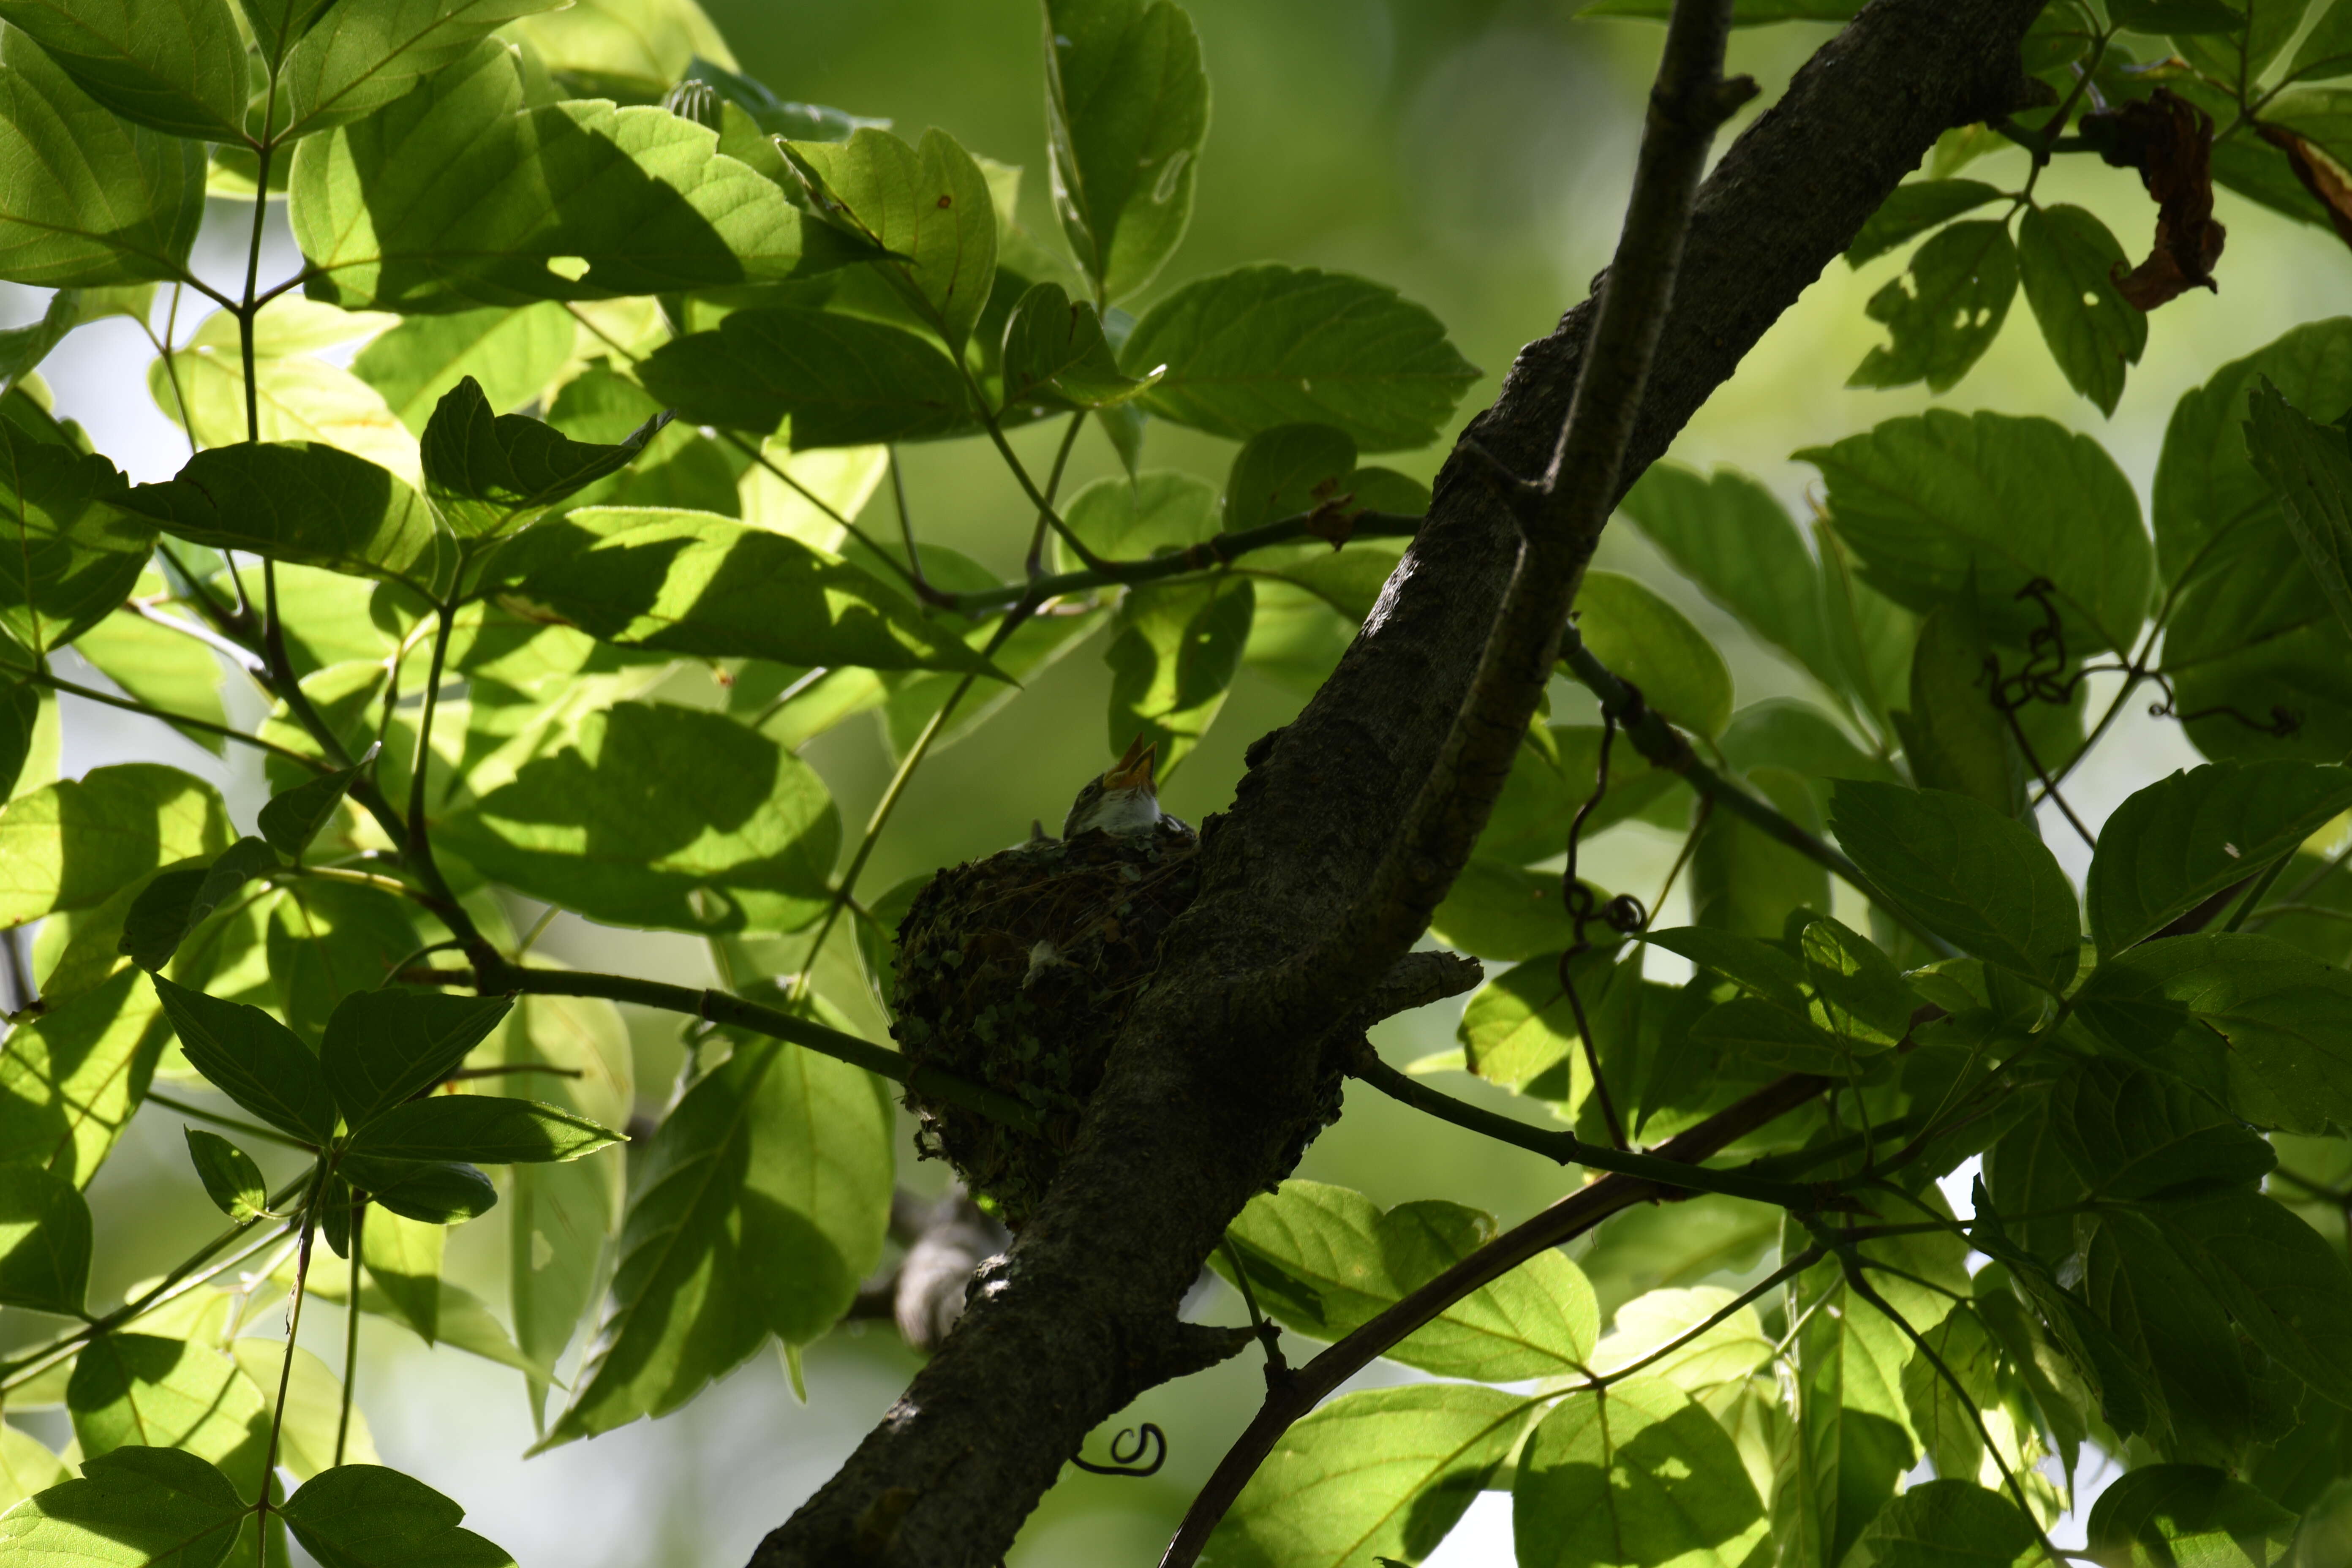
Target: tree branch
x,y
1204,1098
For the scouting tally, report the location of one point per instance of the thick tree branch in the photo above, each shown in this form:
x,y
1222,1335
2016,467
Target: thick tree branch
x,y
1207,1098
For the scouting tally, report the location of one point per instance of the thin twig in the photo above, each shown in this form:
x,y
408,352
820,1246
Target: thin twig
x,y
250,1128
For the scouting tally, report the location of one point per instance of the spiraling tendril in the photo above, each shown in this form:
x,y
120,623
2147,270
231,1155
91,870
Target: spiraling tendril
x,y
1148,1439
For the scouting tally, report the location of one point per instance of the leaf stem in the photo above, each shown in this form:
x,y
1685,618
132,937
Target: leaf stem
x,y
324,1169
1034,563
350,1333
2262,887
177,721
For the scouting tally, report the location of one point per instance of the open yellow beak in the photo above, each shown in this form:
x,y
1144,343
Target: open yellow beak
x,y
1133,770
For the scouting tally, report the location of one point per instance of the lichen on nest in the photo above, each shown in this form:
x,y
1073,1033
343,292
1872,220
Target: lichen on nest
x,y
1015,971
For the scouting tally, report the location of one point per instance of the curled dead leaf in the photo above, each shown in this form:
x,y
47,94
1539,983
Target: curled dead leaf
x,y
2170,141
2321,174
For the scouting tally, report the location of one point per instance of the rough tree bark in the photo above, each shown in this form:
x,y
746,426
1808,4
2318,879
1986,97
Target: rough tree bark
x,y
1205,1099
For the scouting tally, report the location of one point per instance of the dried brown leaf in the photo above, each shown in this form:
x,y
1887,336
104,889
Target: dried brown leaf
x,y
2170,141
2321,174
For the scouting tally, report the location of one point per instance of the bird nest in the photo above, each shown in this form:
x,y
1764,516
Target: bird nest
x,y
1015,971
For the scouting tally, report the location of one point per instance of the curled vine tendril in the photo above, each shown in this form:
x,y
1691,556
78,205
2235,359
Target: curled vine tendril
x,y
1623,914
1148,1439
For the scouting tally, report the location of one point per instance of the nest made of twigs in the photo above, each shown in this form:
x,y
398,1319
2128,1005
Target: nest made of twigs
x,y
1015,971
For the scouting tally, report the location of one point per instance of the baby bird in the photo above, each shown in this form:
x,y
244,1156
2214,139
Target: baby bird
x,y
1123,801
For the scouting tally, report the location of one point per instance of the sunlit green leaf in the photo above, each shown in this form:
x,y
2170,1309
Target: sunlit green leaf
x,y
513,352
608,825
629,49
300,502
357,57
75,842
1055,351
1173,653
757,1208
177,66
1645,639
927,206
144,1390
132,1507
398,210
1261,346
691,583
231,1179
843,381
87,200
68,555
1332,1261
360,1516
1948,1523
1383,1472
71,1078
1127,105
1635,1475
44,1242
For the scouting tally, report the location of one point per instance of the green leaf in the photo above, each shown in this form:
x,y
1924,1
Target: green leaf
x,y
757,1208
608,825
132,1508
356,59
491,473
1289,469
2251,629
1647,1324
1731,536
2167,1321
1121,519
292,818
1743,879
1770,1040
2310,466
144,1390
2158,1516
1055,351
71,1078
1942,1416
1853,1439
1387,1471
314,1407
1953,736
514,351
87,200
632,50
297,398
23,348
1981,880
681,468
231,1179
305,502
2069,263
2326,49
1503,912
1172,656
2131,1133
174,902
689,582
254,1060
1913,209
396,210
1127,109
1649,642
327,940
384,1048
1947,1523
2179,841
2254,1023
430,1192
1942,504
927,206
1958,295
1635,1475
1261,346
1334,1261
404,1260
43,1241
165,669
75,842
365,1516
26,1466
481,1129
843,381
69,555
2180,18
177,66
1519,1031
2284,1286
